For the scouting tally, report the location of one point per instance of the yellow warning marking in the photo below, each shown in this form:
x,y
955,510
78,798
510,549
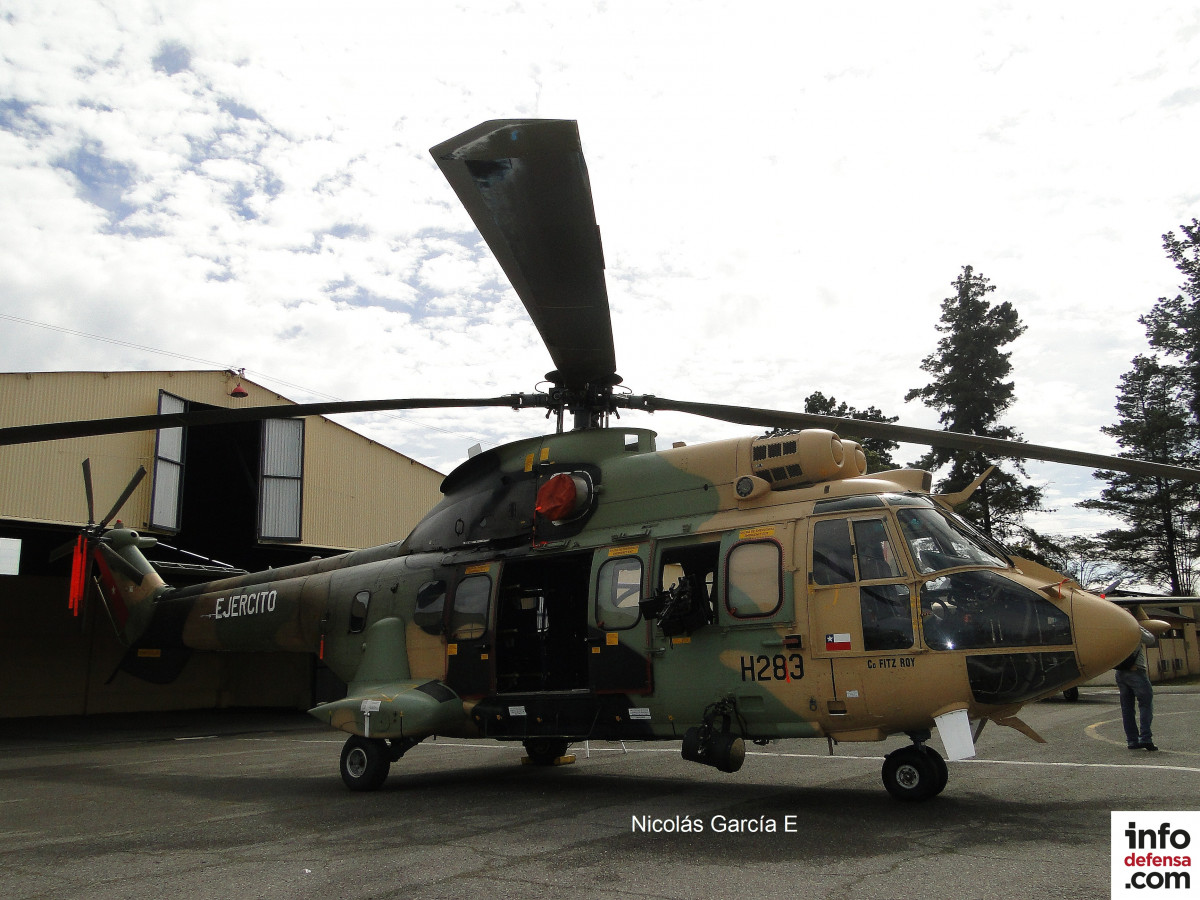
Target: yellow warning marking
x,y
763,531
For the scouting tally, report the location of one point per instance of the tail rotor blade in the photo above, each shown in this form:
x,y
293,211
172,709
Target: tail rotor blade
x,y
81,562
87,487
125,495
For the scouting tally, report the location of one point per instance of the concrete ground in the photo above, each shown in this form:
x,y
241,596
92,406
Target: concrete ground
x,y
249,804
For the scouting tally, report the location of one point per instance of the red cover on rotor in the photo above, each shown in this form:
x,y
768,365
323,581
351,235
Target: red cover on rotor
x,y
557,498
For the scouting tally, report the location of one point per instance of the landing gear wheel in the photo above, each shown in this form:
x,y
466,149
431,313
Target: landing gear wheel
x,y
910,773
365,763
544,751
943,771
1071,694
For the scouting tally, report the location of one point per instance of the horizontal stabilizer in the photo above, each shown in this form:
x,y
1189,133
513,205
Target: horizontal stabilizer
x,y
410,710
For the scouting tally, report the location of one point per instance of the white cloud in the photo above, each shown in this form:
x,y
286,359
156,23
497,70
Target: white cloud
x,y
785,194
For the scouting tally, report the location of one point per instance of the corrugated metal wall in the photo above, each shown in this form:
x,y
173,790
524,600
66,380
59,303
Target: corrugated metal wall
x,y
356,493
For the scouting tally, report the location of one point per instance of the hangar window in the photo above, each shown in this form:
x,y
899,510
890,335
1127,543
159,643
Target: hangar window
x,y
10,556
167,500
281,482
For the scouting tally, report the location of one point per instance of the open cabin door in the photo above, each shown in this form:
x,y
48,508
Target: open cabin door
x,y
541,624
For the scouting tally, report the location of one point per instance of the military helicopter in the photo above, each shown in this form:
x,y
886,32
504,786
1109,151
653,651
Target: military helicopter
x,y
586,585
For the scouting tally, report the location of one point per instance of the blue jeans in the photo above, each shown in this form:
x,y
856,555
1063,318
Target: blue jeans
x,y
1133,686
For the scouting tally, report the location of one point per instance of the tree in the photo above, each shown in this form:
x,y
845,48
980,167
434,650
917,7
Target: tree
x,y
970,392
1081,558
1173,325
1155,422
878,450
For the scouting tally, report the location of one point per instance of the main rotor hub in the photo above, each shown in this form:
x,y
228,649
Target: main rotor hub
x,y
590,404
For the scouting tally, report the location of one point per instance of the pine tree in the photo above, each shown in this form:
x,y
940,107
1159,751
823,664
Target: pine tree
x,y
1173,325
970,392
1159,542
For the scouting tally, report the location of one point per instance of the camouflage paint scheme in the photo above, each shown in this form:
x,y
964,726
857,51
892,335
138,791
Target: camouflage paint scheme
x,y
415,670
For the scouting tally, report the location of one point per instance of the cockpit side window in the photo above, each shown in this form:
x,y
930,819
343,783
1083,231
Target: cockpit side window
x,y
833,556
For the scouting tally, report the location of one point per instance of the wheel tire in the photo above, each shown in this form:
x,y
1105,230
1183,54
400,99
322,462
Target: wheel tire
x,y
910,775
365,763
544,751
1071,695
943,771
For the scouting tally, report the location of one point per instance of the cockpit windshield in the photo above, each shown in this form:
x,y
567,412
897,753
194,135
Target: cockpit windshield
x,y
939,540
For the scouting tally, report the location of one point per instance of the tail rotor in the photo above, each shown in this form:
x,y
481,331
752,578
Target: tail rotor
x,y
88,547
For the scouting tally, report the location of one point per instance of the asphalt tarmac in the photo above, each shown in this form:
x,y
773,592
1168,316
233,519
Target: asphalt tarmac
x,y
249,804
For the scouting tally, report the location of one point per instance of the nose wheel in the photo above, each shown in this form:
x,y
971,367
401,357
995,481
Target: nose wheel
x,y
916,772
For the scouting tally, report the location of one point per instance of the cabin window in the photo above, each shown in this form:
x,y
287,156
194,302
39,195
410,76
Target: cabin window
x,y
358,611
469,615
754,579
431,606
687,587
618,593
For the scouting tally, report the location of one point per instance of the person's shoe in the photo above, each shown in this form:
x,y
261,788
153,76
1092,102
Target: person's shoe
x,y
1148,745
1134,746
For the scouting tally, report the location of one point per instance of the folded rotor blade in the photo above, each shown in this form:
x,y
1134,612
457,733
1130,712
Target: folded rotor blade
x,y
525,185
27,434
771,418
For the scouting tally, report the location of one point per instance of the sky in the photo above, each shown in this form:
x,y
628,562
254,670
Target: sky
x,y
785,191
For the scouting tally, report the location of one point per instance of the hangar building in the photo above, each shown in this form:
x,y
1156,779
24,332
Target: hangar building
x,y
251,496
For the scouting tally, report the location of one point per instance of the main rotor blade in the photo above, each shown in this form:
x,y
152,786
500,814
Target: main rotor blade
x,y
525,185
125,495
52,431
773,418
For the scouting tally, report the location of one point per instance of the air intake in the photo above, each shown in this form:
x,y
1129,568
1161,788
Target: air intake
x,y
811,456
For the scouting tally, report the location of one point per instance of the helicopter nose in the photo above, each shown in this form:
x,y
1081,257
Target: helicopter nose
x,y
1104,634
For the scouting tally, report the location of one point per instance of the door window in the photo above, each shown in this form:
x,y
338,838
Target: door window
x,y
846,551
469,615
619,593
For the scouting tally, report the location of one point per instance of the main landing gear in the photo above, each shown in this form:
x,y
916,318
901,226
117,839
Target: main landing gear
x,y
366,761
544,751
916,772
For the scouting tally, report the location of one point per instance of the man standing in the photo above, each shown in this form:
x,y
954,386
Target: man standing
x,y
1133,684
